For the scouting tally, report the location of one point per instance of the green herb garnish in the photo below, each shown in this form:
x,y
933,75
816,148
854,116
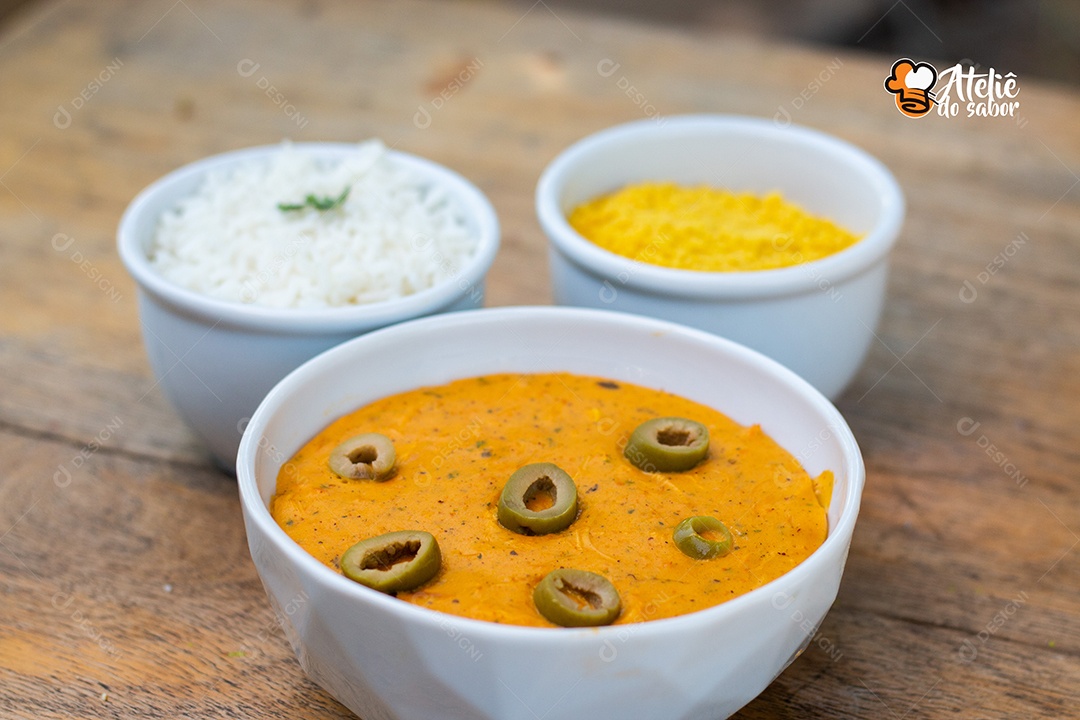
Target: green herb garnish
x,y
319,203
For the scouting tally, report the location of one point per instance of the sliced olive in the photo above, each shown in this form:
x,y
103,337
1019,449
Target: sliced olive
x,y
393,562
577,598
366,457
702,537
538,499
667,444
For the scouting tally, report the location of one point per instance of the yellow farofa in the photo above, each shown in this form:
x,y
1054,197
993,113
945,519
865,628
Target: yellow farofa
x,y
706,229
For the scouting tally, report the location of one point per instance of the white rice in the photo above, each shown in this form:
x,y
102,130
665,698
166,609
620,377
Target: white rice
x,y
394,234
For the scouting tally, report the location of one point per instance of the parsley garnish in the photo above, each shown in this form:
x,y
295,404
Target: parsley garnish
x,y
319,203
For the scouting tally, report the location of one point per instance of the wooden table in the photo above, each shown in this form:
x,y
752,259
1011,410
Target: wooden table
x,y
127,590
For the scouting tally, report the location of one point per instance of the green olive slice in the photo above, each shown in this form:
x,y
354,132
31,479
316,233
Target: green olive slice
x,y
393,562
667,444
702,537
538,499
365,457
577,598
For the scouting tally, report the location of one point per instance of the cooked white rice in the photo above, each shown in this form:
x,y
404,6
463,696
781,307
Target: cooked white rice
x,y
392,236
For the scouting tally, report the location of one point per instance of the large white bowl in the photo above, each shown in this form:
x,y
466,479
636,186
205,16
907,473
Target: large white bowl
x,y
817,318
385,658
215,360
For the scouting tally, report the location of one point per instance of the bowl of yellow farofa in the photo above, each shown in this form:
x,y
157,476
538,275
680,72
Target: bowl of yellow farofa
x,y
776,236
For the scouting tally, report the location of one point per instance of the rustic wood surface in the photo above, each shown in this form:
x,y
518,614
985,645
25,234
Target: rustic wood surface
x,y
127,590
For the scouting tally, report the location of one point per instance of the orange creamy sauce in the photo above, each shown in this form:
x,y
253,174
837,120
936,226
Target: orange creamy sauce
x,y
457,444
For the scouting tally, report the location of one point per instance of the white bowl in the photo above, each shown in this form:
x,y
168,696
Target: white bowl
x,y
817,318
214,359
386,658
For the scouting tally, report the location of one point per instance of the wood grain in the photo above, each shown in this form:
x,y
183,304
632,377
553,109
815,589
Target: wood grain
x,y
127,589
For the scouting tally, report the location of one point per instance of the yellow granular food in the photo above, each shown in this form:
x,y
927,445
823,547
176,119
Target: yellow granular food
x,y
706,229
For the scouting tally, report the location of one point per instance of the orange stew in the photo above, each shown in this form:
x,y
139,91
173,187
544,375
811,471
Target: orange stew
x,y
456,446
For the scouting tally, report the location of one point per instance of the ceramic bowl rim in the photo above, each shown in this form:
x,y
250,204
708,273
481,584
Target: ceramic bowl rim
x,y
310,321
720,285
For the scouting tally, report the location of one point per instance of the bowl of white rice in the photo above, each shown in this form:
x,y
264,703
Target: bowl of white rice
x,y
251,262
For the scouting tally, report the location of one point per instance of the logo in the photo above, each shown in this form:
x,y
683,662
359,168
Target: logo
x,y
959,90
911,83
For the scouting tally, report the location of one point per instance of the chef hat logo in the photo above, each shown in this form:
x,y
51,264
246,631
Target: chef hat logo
x,y
910,83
